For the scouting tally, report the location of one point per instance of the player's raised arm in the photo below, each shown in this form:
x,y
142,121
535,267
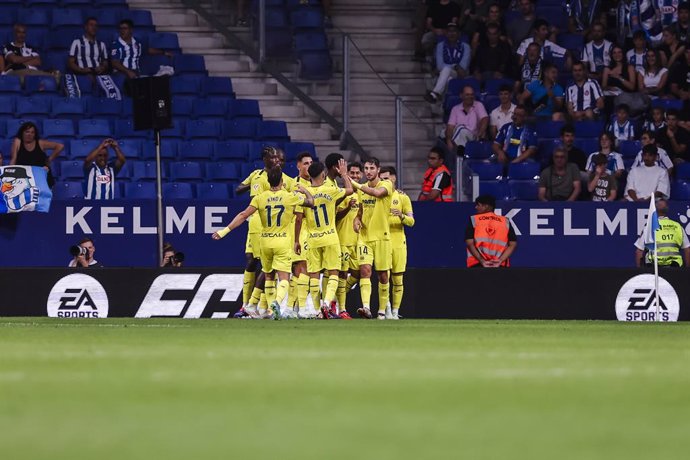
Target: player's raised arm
x,y
236,222
309,198
342,170
377,192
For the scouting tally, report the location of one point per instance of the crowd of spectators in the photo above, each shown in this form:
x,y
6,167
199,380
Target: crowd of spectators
x,y
607,63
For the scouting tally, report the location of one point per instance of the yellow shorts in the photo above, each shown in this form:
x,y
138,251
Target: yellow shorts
x,y
399,260
348,258
375,253
253,245
279,259
302,256
323,258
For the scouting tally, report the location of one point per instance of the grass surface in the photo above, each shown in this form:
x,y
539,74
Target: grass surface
x,y
192,389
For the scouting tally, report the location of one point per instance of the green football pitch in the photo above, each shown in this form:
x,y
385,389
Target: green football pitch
x,y
197,389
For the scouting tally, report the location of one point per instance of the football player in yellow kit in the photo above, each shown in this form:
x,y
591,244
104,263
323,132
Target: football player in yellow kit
x,y
374,247
401,216
347,211
275,209
299,282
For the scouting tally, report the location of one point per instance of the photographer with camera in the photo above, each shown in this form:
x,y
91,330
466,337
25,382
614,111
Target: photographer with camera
x,y
83,255
171,258
100,173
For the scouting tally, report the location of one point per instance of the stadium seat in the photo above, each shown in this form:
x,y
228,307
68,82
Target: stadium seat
x,y
182,106
131,148
56,60
66,17
189,84
490,102
125,128
58,128
177,191
527,170
196,150
40,84
14,125
34,16
146,171
629,149
247,168
680,190
486,171
164,41
189,64
222,171
493,85
587,145
80,148
209,108
496,188
186,171
217,86
140,190
477,150
242,128
33,107
524,190
243,108
68,107
306,18
8,14
95,128
8,104
683,171
456,85
150,64
141,18
68,190
121,4
573,43
292,149
276,18
36,37
588,128
212,191
71,170
549,129
169,149
668,104
178,129
311,41
315,65
273,130
232,150
197,129
104,107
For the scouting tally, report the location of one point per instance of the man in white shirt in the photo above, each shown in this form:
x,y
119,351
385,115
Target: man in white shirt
x,y
503,114
649,180
549,49
664,160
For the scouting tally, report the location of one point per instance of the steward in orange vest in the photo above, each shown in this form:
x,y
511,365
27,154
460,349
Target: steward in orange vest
x,y
438,183
489,237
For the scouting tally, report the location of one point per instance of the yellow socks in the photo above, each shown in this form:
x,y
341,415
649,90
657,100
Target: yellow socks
x,y
331,288
397,294
384,295
247,286
302,290
351,281
315,292
341,294
282,291
255,298
365,291
292,292
270,291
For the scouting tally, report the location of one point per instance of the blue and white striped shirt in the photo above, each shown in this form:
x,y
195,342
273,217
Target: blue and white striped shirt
x,y
584,97
100,182
88,54
624,132
127,53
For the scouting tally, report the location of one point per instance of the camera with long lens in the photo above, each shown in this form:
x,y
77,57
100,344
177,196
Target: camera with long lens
x,y
77,251
174,259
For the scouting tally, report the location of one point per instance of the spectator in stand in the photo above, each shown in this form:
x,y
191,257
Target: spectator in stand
x,y
637,55
560,181
649,180
619,76
657,122
88,56
520,27
545,96
622,128
452,60
649,20
575,154
495,17
493,58
126,51
674,138
468,122
680,79
602,185
437,184
597,53
584,98
663,159
516,142
672,49
20,59
476,15
615,159
652,81
582,15
28,149
682,27
549,50
503,114
100,173
438,16
531,69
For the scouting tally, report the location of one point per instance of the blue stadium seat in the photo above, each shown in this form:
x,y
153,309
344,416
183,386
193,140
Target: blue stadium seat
x,y
197,129
629,149
527,170
680,190
125,128
683,171
258,147
125,173
292,149
244,108
34,16
587,145
178,129
212,191
8,14
273,130
477,150
456,85
306,18
668,104
573,43
140,190
55,61
71,170
491,102
10,84
231,150
104,107
545,149
186,171
40,84
58,128
120,4
549,129
182,106
76,3
554,14
588,128
524,190
291,169
485,170
311,41
177,191
33,107
141,18
80,148
496,188
68,191
315,65
169,149
131,147
189,84
63,40
95,128
36,37
164,41
189,64
197,150
247,168
151,63
217,86
492,85
14,125
66,17
241,128
222,171
8,104
145,171
68,107
210,108
276,18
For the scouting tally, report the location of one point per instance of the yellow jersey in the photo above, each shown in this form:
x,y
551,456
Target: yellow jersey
x,y
345,228
276,211
258,183
306,183
376,213
401,201
321,219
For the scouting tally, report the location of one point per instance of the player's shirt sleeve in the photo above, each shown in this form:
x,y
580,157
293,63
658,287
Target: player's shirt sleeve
x,y
388,185
295,199
249,178
338,193
255,202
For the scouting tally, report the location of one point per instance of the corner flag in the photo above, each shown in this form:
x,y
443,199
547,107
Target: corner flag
x,y
651,226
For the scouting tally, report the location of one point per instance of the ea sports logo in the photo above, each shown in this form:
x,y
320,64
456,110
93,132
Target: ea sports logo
x,y
77,296
636,300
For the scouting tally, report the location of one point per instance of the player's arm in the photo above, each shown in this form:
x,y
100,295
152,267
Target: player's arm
x,y
236,222
406,215
246,184
343,211
376,192
298,229
308,197
357,222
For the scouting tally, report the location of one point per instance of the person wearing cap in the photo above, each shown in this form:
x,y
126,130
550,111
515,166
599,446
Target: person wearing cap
x,y
648,180
490,238
452,60
673,247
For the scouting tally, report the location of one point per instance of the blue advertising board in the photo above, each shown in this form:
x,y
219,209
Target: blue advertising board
x,y
580,234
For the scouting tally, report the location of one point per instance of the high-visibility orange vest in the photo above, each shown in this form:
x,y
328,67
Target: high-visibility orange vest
x,y
490,237
429,178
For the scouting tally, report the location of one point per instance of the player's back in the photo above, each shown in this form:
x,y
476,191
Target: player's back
x,y
321,219
375,213
276,211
